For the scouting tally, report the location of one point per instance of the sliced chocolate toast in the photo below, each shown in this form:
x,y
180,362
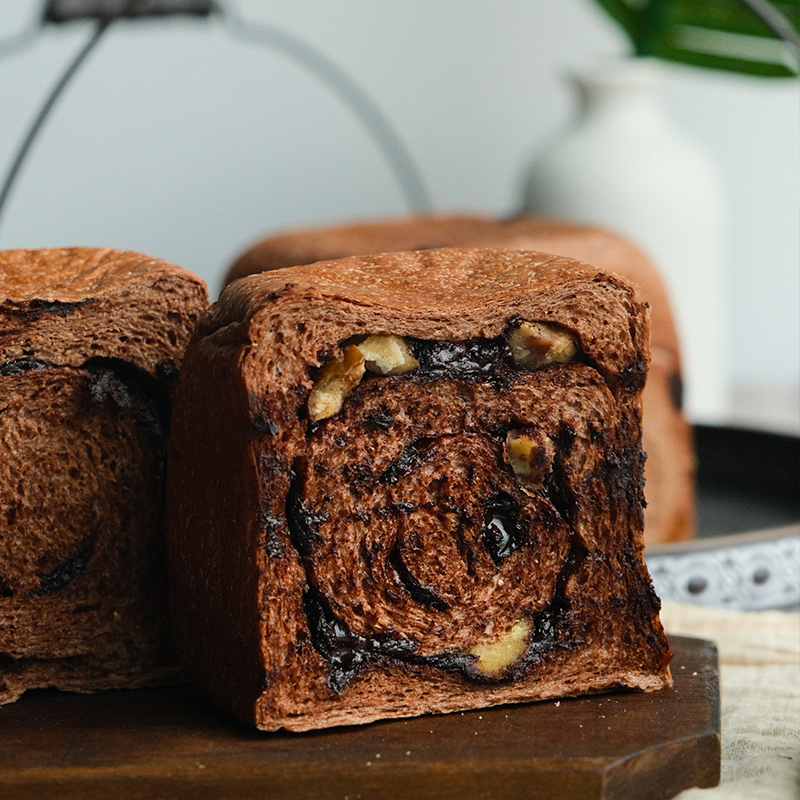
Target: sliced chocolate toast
x,y
412,483
90,345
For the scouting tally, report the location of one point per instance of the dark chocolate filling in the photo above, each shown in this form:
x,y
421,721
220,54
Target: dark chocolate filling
x,y
623,472
18,366
134,393
32,310
346,652
303,523
491,361
470,361
380,421
63,574
273,528
501,535
423,595
265,425
409,459
261,416
633,376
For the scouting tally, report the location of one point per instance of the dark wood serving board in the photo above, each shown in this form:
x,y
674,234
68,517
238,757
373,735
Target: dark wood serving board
x,y
169,743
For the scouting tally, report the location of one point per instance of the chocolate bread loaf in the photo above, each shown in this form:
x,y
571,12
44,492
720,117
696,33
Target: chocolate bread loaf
x,y
412,483
90,345
668,440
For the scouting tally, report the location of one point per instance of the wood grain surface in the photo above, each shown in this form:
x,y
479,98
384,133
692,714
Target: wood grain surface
x,y
169,743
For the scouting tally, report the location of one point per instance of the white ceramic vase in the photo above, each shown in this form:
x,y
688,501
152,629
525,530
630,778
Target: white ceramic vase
x,y
624,165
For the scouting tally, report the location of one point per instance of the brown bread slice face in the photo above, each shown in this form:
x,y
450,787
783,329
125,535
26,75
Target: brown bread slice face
x,y
388,560
90,344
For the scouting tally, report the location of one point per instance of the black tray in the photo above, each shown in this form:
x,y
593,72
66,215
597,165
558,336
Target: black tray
x,y
747,480
747,552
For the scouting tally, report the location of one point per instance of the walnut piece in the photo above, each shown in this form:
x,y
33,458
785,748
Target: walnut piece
x,y
538,344
529,453
493,658
335,381
387,354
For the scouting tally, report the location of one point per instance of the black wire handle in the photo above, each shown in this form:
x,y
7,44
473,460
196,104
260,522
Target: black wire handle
x,y
320,65
47,106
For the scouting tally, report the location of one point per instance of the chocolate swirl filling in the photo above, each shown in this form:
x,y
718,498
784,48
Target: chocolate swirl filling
x,y
420,543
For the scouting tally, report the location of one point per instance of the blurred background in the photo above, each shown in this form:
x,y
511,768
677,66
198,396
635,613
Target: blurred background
x,y
180,140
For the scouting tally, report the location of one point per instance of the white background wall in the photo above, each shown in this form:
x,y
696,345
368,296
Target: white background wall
x,y
179,140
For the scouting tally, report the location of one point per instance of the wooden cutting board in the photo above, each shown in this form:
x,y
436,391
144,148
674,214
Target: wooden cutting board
x,y
169,743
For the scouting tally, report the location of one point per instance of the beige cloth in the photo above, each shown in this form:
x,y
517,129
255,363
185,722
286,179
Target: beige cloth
x,y
759,655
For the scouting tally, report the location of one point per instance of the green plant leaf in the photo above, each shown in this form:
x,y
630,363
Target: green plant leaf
x,y
725,63
730,15
715,34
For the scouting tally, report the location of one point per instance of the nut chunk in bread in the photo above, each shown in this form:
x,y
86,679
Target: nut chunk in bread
x,y
412,483
90,345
